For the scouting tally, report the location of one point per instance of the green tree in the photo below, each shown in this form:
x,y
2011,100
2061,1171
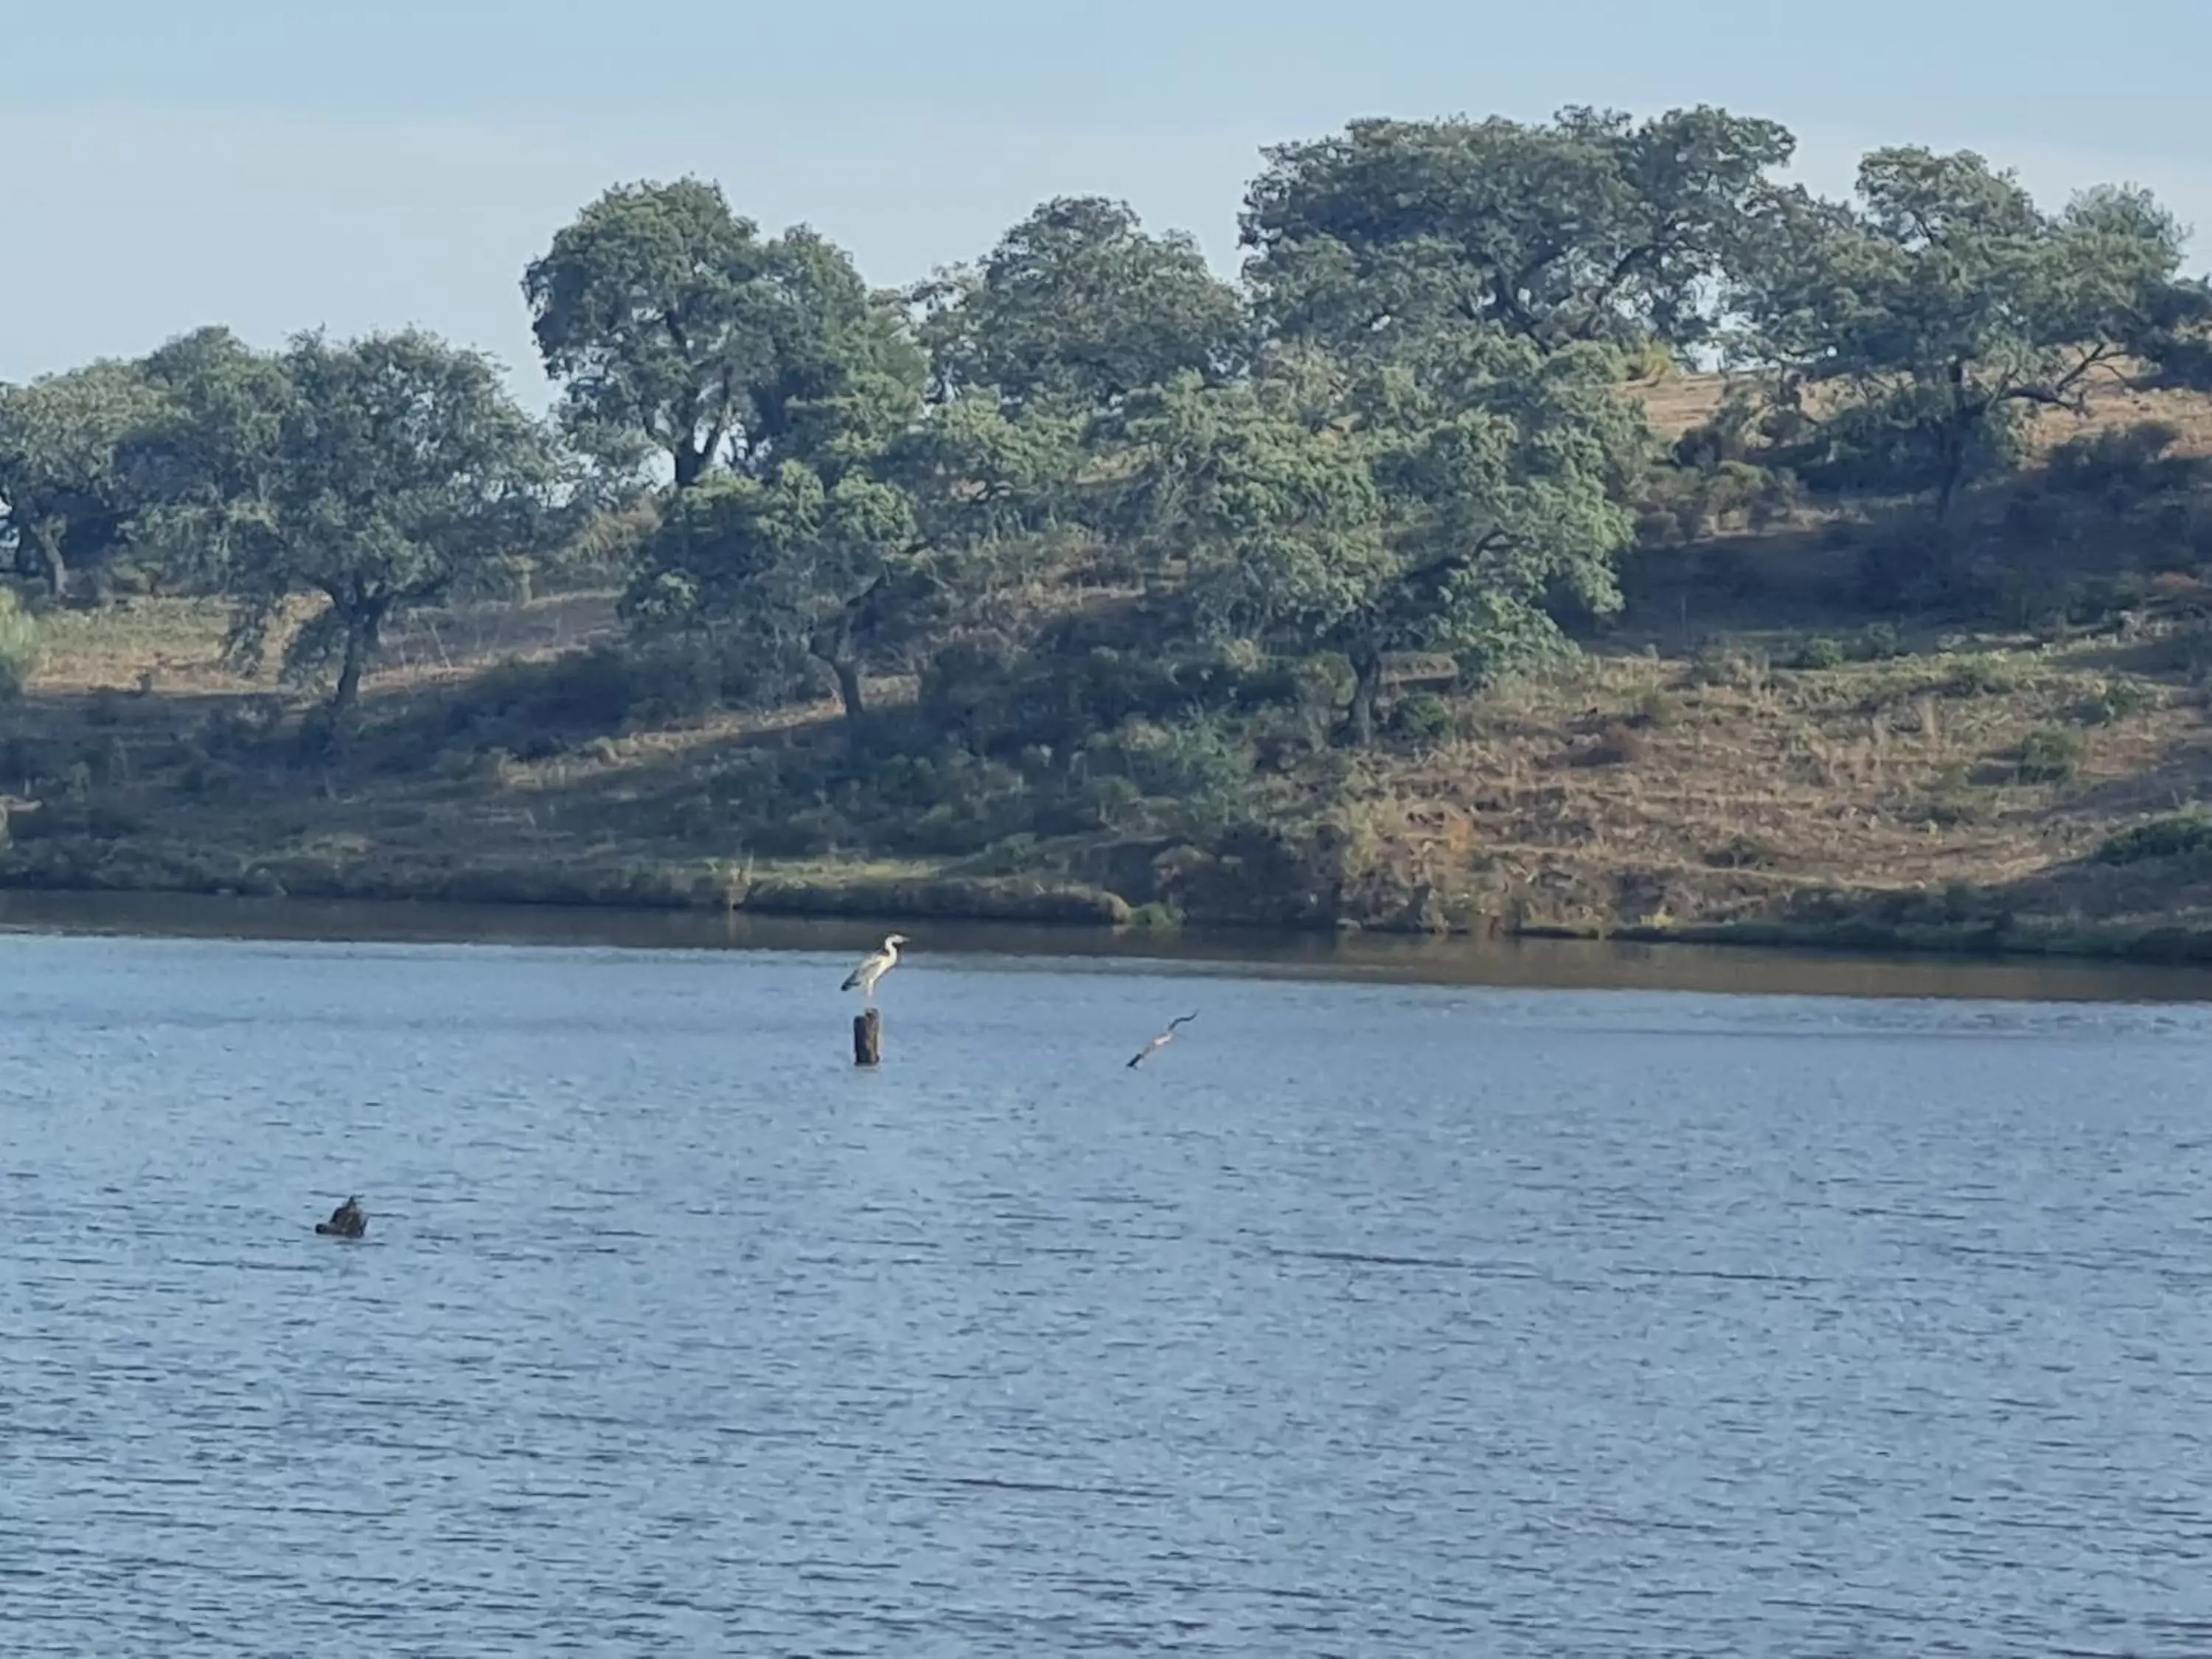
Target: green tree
x,y
1276,527
1452,501
402,468
670,324
1941,305
977,473
2172,335
1078,306
19,655
202,470
64,499
1591,227
784,572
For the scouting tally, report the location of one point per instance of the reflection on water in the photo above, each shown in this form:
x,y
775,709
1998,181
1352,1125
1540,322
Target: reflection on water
x,y
1545,963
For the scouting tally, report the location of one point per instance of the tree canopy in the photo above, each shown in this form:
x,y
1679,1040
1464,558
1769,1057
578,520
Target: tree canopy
x,y
201,468
403,467
64,496
782,571
1405,429
1943,304
1590,228
671,323
1452,502
1078,306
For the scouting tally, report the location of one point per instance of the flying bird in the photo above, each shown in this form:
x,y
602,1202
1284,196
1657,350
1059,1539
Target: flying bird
x,y
871,968
1159,1042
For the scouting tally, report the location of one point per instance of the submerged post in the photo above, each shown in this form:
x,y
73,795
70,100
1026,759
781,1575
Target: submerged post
x,y
868,1037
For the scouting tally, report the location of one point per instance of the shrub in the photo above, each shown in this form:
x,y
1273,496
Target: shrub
x,y
19,646
1716,665
1653,708
2120,464
1618,745
1981,676
2170,836
597,688
1885,444
2119,700
1005,701
1107,803
1741,852
1909,567
1879,642
2129,698
1819,652
1192,757
1688,502
2050,754
1155,917
806,832
1424,717
1648,364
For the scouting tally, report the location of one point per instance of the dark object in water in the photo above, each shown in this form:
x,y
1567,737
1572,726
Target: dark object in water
x,y
349,1220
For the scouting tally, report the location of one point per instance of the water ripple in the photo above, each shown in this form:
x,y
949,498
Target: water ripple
x,y
1374,1320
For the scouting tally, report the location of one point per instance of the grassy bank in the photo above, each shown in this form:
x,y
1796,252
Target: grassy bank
x,y
1755,753
1937,798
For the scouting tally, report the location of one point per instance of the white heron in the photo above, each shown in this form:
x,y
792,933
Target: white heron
x,y
874,968
1160,1041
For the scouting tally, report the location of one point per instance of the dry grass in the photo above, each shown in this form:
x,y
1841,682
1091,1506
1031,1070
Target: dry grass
x,y
187,775
1679,402
1630,790
169,646
1629,793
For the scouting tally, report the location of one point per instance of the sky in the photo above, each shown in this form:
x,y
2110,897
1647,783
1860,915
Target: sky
x,y
279,165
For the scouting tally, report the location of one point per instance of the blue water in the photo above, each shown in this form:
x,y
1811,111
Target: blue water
x,y
1370,1320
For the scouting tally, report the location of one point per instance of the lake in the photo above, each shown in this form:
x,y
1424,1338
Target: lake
x,y
1415,1301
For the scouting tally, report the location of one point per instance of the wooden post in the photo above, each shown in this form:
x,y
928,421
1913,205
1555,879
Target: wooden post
x,y
868,1037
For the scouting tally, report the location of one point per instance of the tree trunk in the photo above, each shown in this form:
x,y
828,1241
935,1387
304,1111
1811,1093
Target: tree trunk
x,y
1953,451
360,640
1952,434
693,459
1367,688
849,686
49,548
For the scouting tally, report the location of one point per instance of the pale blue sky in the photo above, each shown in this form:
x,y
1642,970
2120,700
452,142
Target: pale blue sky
x,y
280,164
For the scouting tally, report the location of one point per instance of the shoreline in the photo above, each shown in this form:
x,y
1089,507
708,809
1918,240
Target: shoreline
x,y
1525,965
1711,800
647,887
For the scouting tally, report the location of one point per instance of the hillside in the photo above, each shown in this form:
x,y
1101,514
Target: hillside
x,y
1750,744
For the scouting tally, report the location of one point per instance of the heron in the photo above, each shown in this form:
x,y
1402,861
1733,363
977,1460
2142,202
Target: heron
x,y
349,1220
1159,1042
874,968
